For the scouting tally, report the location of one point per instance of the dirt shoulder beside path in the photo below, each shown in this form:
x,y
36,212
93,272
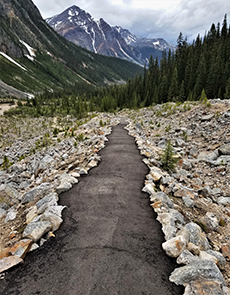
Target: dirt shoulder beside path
x,y
109,243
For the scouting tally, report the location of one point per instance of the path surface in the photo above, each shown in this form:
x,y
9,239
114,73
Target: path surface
x,y
109,243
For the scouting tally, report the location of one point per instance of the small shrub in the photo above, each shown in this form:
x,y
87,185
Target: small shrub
x,y
168,158
184,135
222,222
202,225
6,162
21,158
167,128
159,114
55,132
101,123
80,137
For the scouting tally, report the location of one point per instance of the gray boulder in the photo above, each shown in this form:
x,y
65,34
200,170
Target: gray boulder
x,y
223,201
221,260
36,193
149,188
175,246
186,257
200,270
47,201
12,192
207,117
196,236
11,215
64,187
188,202
205,288
54,219
170,222
208,157
162,197
222,160
211,221
36,230
225,149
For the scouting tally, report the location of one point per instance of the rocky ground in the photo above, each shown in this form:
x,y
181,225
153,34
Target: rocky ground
x,y
192,202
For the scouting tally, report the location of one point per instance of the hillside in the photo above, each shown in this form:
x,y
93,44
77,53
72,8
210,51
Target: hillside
x,y
34,57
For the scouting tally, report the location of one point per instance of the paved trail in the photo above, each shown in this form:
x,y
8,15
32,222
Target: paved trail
x,y
109,243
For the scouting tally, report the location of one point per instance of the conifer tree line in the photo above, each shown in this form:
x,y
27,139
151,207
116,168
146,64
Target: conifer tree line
x,y
203,65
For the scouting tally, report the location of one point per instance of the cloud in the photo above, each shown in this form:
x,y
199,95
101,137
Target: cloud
x,y
155,18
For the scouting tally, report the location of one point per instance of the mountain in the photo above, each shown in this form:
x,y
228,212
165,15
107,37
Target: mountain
x,y
146,46
82,29
33,57
79,27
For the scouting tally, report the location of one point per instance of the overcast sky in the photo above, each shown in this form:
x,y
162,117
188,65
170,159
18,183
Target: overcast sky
x,y
153,18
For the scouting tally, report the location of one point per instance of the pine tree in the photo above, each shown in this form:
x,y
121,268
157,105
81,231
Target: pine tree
x,y
174,88
168,158
227,92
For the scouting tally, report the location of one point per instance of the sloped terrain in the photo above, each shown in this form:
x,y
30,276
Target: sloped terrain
x,y
34,57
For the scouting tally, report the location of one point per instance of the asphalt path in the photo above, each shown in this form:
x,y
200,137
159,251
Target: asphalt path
x,y
109,242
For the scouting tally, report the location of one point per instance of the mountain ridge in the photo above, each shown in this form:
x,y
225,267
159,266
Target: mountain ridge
x,y
98,36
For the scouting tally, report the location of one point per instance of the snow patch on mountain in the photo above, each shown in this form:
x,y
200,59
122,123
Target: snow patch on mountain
x,y
12,60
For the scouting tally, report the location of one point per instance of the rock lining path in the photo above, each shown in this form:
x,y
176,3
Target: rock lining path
x,y
109,243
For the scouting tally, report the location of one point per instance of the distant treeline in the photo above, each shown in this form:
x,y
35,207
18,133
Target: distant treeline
x,y
180,76
200,67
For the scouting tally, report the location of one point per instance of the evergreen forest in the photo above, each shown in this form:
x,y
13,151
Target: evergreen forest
x,y
202,67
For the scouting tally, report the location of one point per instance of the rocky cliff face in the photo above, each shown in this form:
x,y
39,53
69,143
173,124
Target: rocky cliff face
x,y
79,27
18,22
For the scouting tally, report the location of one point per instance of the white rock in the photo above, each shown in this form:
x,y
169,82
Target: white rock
x,y
54,219
162,197
34,247
11,215
186,257
57,210
149,188
156,174
36,230
63,187
2,212
205,256
8,262
31,214
175,246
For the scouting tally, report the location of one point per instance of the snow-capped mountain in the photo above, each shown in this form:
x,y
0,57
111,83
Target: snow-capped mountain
x,y
98,36
79,27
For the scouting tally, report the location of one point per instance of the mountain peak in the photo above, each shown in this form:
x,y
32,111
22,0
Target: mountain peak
x,y
79,27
